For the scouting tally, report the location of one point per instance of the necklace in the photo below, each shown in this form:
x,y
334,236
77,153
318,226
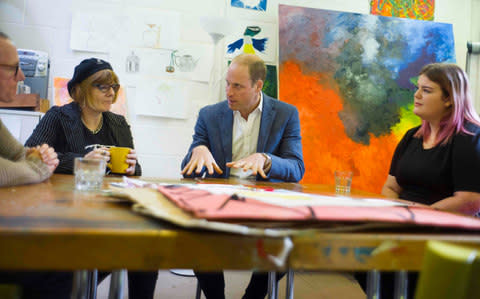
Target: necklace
x,y
98,128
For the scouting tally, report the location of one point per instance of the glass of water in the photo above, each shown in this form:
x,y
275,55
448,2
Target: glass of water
x,y
343,182
89,174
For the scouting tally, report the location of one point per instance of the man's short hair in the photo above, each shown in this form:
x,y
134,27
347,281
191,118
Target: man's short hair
x,y
256,66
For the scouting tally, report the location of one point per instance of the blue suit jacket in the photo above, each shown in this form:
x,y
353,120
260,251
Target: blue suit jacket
x,y
279,136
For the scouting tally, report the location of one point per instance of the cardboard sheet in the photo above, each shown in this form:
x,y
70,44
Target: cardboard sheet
x,y
229,211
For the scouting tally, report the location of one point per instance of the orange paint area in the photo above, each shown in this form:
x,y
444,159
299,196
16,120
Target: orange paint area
x,y
326,147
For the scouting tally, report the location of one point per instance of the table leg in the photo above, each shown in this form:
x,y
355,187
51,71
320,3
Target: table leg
x,y
80,288
272,285
401,285
373,284
289,291
116,284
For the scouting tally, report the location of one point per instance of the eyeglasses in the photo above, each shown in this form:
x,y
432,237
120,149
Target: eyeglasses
x,y
106,87
11,67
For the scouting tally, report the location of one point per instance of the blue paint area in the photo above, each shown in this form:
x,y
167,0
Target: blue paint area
x,y
260,5
343,250
326,251
236,45
362,252
259,44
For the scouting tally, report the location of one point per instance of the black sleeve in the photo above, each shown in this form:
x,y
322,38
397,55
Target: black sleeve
x,y
49,131
466,162
402,145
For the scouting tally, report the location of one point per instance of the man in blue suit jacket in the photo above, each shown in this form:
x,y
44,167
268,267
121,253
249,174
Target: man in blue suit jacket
x,y
248,135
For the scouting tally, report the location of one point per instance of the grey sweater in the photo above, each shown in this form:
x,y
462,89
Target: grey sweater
x,y
15,168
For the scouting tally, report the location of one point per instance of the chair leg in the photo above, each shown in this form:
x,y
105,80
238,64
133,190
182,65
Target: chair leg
x,y
198,292
92,281
289,292
373,284
116,284
80,289
272,285
401,285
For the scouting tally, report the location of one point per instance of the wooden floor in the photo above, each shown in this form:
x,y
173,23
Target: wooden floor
x,y
319,285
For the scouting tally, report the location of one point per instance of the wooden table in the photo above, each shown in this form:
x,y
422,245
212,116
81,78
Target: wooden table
x,y
51,226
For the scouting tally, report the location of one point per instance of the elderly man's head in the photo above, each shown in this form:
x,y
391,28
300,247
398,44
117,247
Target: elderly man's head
x,y
10,72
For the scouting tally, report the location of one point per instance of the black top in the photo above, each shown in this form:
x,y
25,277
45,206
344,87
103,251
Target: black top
x,y
62,128
104,136
429,175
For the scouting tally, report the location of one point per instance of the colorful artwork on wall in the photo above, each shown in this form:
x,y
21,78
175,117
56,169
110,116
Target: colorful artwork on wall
x,y
350,76
418,9
270,87
251,4
253,38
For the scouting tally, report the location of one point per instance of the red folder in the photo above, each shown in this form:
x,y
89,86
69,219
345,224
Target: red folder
x,y
204,204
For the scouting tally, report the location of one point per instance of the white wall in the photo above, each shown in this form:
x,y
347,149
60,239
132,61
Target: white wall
x,y
162,142
475,59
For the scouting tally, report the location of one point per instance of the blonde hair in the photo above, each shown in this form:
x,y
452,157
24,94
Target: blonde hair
x,y
82,93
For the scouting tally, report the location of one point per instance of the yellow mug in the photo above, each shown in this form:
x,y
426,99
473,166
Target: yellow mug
x,y
118,158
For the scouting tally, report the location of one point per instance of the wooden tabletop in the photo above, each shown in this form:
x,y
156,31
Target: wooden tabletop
x,y
51,226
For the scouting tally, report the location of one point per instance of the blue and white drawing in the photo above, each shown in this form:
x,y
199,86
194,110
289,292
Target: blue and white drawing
x,y
251,4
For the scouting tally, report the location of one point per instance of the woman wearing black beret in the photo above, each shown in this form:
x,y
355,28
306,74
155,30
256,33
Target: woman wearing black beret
x,y
74,129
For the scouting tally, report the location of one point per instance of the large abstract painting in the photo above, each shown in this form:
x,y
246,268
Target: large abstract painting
x,y
352,78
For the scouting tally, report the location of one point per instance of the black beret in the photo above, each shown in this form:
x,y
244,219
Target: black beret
x,y
85,69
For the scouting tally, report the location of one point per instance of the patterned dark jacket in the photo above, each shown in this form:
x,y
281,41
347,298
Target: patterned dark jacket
x,y
62,129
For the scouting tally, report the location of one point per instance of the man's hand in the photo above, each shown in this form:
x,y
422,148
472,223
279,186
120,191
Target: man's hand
x,y
201,156
47,154
255,162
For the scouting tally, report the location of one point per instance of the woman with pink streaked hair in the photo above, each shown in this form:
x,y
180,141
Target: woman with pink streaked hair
x,y
438,162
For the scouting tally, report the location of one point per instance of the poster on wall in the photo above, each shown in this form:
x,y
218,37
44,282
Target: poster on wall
x,y
418,10
351,77
160,30
103,33
250,4
160,97
97,32
254,38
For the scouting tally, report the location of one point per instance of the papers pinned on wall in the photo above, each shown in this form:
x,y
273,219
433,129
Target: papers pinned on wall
x,y
97,32
160,97
103,32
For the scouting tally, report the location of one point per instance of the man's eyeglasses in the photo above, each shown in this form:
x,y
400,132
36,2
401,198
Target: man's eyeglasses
x,y
106,87
11,67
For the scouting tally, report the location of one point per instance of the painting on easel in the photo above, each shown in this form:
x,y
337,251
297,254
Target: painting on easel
x,y
352,78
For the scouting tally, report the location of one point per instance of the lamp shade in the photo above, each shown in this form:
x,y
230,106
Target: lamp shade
x,y
217,27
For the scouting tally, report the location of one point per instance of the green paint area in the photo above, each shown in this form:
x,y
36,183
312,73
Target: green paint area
x,y
361,253
326,251
344,250
407,121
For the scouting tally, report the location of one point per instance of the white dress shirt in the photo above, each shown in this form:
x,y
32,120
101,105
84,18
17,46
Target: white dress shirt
x,y
245,137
